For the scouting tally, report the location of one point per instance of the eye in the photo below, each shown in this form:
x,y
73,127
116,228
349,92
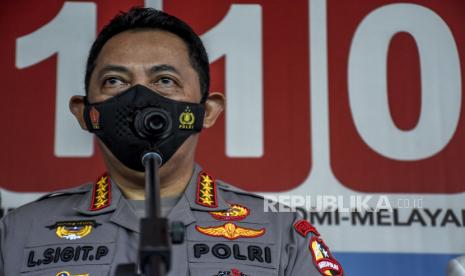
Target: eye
x,y
112,82
165,82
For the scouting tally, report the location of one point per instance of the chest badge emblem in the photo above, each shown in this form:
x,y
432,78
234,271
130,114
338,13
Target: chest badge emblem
x,y
73,230
230,231
66,273
235,212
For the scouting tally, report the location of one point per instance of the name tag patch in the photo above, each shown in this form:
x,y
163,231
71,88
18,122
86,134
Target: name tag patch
x,y
233,253
55,256
223,251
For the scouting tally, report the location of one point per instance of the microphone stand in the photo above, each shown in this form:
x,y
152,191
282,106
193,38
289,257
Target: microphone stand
x,y
155,240
154,248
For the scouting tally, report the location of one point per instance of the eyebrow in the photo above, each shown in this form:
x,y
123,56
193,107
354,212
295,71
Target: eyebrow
x,y
113,68
163,67
154,69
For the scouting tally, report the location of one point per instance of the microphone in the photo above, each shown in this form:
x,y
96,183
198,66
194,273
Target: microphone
x,y
152,123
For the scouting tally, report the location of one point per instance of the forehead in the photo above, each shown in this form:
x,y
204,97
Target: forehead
x,y
144,47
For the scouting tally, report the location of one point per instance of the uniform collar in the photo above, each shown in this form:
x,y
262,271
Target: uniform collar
x,y
201,194
103,197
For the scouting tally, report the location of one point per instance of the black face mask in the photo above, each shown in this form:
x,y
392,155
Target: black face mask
x,y
140,120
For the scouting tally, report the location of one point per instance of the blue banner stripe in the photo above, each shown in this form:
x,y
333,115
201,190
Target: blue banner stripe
x,y
393,264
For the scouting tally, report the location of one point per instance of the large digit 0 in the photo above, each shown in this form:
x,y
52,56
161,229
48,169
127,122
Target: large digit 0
x,y
440,82
69,35
239,37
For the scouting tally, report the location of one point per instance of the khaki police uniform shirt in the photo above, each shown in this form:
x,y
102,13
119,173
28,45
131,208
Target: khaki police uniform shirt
x,y
90,229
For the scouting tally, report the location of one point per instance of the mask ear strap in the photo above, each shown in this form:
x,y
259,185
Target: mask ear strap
x,y
204,97
87,118
86,115
200,116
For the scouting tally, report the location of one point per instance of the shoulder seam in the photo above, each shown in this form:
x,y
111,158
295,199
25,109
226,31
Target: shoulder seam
x,y
231,188
77,190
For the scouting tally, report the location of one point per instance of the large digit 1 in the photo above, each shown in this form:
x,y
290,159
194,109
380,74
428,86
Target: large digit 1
x,y
239,37
156,4
440,82
69,35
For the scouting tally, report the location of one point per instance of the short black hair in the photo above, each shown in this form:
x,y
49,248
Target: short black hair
x,y
138,18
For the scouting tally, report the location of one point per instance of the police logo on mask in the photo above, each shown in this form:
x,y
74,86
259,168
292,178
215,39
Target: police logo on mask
x,y
187,119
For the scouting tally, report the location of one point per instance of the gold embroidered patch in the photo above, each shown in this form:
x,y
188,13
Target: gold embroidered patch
x,y
73,230
230,231
66,273
101,196
323,259
206,191
187,119
235,212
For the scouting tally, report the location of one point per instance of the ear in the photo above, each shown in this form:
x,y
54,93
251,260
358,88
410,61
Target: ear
x,y
213,108
76,105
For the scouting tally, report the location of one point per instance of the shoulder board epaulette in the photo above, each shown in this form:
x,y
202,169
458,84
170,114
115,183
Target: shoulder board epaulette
x,y
206,190
101,193
237,190
76,190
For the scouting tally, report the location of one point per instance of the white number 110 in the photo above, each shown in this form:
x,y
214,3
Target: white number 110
x,y
71,33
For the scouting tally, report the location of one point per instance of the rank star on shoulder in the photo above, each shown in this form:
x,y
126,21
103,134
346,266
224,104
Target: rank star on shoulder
x,y
207,201
207,180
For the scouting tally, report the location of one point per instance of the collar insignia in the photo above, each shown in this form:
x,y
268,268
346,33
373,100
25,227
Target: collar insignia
x,y
304,227
235,212
232,272
206,190
322,258
101,194
73,230
66,273
230,231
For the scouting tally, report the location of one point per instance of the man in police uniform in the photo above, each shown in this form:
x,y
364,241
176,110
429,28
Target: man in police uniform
x,y
456,267
144,59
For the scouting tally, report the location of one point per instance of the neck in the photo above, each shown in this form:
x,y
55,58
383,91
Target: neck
x,y
173,181
174,175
